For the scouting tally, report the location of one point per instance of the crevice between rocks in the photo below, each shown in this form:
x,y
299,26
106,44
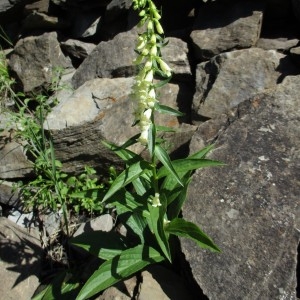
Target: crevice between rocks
x,y
186,272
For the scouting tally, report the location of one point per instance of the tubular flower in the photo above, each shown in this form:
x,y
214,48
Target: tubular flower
x,y
148,49
155,201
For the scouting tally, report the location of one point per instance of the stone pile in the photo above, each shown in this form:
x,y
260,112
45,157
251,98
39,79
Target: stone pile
x,y
236,76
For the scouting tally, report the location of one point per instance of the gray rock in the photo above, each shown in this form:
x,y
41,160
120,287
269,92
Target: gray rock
x,y
85,24
250,207
6,5
7,194
109,59
20,252
232,77
124,290
100,110
14,163
281,44
34,61
21,219
41,6
176,55
41,21
77,49
224,27
163,284
116,8
104,223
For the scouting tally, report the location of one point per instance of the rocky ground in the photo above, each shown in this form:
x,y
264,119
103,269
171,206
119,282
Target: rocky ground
x,y
236,76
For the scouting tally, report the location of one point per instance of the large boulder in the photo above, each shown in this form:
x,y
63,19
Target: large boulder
x,y
35,59
250,207
101,110
108,60
230,78
222,27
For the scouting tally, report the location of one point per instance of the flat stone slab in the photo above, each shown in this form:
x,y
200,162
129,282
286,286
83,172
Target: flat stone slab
x,y
250,207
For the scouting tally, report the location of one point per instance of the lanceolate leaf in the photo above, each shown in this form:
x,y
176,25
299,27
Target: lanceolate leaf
x,y
125,154
121,266
105,245
202,153
164,158
59,288
168,110
188,164
183,228
126,177
156,225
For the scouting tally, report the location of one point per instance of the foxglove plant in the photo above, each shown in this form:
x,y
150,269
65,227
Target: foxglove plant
x,y
148,195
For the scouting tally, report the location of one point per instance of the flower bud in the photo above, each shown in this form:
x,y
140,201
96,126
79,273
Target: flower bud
x,y
164,67
156,201
149,76
158,27
150,25
153,50
148,65
142,13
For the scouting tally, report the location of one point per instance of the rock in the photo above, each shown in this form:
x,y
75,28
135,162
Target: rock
x,y
77,49
21,219
109,59
250,207
281,44
40,6
222,27
6,5
176,56
115,9
85,24
100,110
7,194
124,290
163,284
41,21
34,61
20,254
232,77
14,163
104,223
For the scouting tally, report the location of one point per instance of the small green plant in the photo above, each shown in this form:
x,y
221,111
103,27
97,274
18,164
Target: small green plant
x,y
148,195
52,189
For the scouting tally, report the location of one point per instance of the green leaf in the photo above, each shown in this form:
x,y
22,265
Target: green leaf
x,y
165,128
118,268
168,110
164,158
127,155
104,245
126,177
183,228
188,164
202,153
162,82
60,288
175,205
156,225
94,193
